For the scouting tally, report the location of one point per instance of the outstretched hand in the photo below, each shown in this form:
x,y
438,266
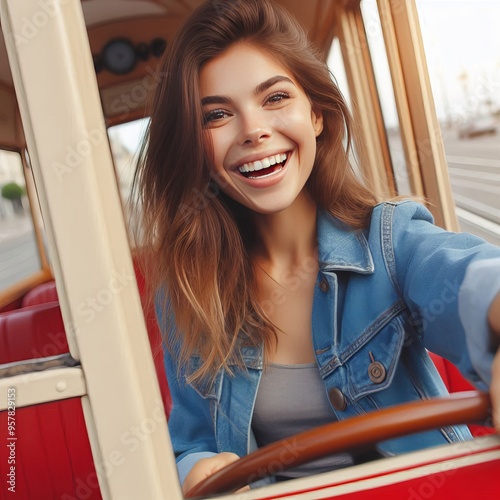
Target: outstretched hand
x,y
206,467
495,391
494,322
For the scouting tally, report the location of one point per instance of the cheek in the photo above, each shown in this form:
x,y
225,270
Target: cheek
x,y
297,125
219,149
216,153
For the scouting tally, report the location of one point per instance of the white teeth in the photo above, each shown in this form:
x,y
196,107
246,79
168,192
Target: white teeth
x,y
263,163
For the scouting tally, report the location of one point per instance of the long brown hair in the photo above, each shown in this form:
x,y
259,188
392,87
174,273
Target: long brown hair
x,y
198,256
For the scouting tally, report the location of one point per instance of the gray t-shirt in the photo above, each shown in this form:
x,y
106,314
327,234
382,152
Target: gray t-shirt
x,y
292,399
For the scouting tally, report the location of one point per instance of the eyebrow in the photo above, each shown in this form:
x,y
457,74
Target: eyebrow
x,y
270,82
218,99
215,99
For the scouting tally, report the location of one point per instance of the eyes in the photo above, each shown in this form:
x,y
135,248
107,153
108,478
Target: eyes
x,y
215,115
219,114
277,97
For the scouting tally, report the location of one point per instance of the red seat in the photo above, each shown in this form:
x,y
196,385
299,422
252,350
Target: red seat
x,y
32,332
53,455
15,304
456,382
54,458
155,340
46,292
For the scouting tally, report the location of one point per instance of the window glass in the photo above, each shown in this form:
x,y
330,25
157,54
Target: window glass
x,y
19,256
335,63
125,141
378,54
461,40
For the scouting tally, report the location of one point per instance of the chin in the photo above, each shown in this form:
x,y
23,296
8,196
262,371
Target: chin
x,y
271,208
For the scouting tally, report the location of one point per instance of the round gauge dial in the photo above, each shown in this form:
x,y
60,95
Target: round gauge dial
x,y
119,56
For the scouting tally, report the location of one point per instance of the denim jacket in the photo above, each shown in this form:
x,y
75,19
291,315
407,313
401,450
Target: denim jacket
x,y
384,294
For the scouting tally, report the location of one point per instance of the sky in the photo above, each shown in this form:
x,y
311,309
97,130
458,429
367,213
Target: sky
x,y
462,44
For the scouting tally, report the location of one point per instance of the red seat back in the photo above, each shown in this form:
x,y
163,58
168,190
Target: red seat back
x,y
55,451
32,332
155,340
456,382
15,304
46,292
52,453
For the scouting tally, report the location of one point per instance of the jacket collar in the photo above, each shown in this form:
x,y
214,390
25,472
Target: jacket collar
x,y
341,248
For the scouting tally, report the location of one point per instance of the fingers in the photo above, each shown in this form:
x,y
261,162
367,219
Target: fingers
x,y
223,459
242,490
495,391
206,467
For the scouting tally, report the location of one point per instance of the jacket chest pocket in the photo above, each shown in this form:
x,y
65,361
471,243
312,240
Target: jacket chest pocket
x,y
372,366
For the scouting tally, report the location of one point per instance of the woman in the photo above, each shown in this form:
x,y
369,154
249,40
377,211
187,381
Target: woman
x,y
289,297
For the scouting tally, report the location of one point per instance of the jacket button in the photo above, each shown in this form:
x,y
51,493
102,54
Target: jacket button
x,y
337,399
376,371
324,286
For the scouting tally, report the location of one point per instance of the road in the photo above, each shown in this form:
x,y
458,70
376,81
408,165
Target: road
x,y
474,167
19,256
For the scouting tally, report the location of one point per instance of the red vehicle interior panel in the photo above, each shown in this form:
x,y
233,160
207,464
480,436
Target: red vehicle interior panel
x,y
54,459
455,382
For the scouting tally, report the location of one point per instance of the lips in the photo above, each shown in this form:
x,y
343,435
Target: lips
x,y
263,167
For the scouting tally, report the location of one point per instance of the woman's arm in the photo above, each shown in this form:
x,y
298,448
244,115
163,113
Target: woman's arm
x,y
190,421
494,322
451,285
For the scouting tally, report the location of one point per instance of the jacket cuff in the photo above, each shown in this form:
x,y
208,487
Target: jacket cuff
x,y
480,286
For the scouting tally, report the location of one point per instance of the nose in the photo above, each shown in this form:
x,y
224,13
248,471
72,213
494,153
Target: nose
x,y
254,129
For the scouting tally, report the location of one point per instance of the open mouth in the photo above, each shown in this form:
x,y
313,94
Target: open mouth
x,y
265,167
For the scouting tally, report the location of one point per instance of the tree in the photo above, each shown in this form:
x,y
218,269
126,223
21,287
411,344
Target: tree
x,y
14,192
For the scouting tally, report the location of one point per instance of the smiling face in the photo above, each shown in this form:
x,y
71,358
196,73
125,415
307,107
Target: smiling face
x,y
262,127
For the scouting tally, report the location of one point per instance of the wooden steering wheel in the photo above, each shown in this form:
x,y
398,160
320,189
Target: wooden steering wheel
x,y
351,434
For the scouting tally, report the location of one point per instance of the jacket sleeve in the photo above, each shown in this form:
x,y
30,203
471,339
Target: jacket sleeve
x,y
448,281
190,422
